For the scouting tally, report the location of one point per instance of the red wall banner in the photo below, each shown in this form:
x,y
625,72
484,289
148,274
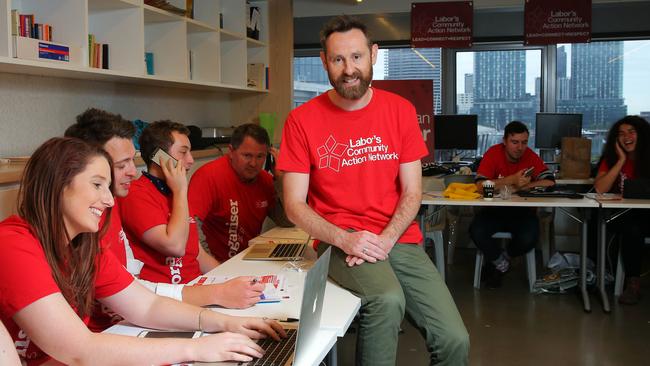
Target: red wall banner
x,y
557,21
443,24
420,94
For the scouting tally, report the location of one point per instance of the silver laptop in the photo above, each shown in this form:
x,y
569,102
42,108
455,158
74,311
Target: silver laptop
x,y
299,341
278,250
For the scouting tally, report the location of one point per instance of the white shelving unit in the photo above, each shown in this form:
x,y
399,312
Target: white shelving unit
x,y
189,53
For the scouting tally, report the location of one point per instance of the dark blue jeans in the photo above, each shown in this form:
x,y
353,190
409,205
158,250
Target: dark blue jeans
x,y
521,222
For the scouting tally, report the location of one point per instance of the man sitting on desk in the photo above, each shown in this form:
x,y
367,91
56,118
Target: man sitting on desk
x,y
508,165
355,152
233,195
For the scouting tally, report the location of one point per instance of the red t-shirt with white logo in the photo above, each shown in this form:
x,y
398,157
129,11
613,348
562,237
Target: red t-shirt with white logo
x,y
103,317
353,158
144,208
627,172
232,211
495,164
26,277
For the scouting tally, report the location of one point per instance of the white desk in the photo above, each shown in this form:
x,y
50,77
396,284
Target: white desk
x,y
339,307
436,199
611,210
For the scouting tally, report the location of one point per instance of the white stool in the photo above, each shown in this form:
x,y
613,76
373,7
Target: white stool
x,y
530,264
436,236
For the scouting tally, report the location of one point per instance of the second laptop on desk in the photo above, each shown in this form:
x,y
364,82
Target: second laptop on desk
x,y
278,250
552,191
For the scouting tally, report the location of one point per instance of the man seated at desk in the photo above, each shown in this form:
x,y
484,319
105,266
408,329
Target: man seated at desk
x,y
507,165
161,228
233,195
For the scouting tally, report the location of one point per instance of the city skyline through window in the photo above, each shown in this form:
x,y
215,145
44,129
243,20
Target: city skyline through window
x,y
603,81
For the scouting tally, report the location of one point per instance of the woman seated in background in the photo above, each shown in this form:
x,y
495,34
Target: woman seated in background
x,y
626,155
54,268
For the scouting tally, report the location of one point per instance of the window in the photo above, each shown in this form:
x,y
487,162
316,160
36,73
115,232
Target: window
x,y
310,79
499,86
604,81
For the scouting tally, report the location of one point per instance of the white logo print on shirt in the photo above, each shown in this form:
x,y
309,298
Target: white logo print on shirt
x,y
330,154
333,154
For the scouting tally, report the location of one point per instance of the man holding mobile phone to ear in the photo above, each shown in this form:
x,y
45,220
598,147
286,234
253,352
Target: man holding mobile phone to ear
x,y
513,164
162,229
114,134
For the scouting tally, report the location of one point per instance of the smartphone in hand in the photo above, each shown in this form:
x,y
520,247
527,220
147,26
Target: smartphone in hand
x,y
160,157
528,172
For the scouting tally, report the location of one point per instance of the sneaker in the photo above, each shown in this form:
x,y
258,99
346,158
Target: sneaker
x,y
491,276
632,293
502,263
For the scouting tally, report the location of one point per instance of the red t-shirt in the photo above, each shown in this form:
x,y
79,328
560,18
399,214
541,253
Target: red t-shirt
x,y
232,211
27,277
144,208
495,165
103,317
627,172
353,158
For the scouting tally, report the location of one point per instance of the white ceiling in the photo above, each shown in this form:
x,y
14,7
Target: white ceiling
x,y
311,8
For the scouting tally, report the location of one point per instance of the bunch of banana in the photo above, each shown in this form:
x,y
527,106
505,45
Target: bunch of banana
x,y
461,191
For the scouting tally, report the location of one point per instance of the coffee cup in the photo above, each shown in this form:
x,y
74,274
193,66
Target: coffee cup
x,y
488,189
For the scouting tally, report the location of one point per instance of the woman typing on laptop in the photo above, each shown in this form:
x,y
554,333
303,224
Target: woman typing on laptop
x,y
54,268
626,156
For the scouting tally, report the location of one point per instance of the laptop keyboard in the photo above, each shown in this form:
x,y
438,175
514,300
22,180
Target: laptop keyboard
x,y
277,353
559,194
286,250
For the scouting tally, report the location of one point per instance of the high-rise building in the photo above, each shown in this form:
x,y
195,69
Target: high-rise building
x,y
563,86
421,63
500,89
561,62
469,84
310,79
596,84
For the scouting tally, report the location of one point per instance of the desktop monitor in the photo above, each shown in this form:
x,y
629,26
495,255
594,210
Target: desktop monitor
x,y
551,127
455,131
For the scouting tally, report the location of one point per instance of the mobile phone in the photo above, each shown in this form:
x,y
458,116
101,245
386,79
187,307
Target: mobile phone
x,y
528,172
166,334
160,157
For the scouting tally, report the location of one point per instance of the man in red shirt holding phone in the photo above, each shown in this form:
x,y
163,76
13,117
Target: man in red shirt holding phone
x,y
510,165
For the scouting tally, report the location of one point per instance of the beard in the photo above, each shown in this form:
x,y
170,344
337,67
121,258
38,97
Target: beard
x,y
352,93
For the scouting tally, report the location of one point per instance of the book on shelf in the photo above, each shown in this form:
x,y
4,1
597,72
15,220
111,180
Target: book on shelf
x,y
24,25
105,56
15,23
148,61
35,49
97,53
256,76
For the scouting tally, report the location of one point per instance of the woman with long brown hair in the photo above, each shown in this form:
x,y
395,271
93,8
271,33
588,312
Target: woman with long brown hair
x,y
53,268
626,155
